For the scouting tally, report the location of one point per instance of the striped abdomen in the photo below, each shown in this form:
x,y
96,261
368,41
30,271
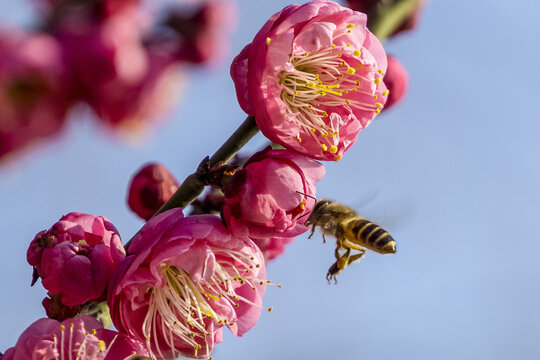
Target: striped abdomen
x,y
363,232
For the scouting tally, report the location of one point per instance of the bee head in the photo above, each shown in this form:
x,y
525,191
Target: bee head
x,y
317,212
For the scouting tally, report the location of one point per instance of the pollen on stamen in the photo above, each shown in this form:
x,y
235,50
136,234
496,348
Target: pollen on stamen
x,y
378,104
313,129
333,149
348,102
306,54
357,53
377,111
339,54
380,71
386,92
378,80
337,157
375,97
334,46
324,147
268,40
350,71
102,345
348,44
298,138
270,309
303,204
350,26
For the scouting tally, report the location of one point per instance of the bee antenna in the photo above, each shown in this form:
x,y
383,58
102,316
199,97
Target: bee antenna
x,y
309,196
306,214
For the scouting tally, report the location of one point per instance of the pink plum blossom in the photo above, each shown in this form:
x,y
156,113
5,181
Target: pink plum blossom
x,y
79,338
76,257
150,188
33,101
265,195
397,81
272,247
183,280
312,77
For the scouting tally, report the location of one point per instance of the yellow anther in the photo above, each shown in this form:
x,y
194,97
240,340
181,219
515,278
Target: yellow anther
x,y
354,89
350,71
317,76
298,139
386,92
303,204
375,97
334,133
102,345
380,71
348,102
378,80
337,157
325,114
339,54
330,52
322,93
306,54
268,41
94,331
360,66
324,134
296,93
377,111
345,91
378,104
310,106
357,53
349,31
333,149
313,130
258,265
324,147
270,308
348,44
310,84
350,26
357,82
62,327
334,46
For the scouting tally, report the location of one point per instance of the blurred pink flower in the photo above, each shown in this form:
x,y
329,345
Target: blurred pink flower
x,y
33,100
125,82
263,195
272,247
76,257
203,36
185,279
397,81
312,77
79,338
150,188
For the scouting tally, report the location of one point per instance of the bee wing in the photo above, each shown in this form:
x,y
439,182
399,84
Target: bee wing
x,y
392,214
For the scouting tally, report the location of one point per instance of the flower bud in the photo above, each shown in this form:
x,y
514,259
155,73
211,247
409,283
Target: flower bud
x,y
76,257
397,81
268,195
150,188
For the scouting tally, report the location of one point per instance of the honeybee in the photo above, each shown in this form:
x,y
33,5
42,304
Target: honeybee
x,y
352,233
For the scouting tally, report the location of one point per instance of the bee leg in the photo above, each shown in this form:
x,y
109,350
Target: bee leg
x,y
312,232
340,264
354,258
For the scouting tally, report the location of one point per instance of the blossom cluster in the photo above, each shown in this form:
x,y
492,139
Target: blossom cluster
x,y
313,77
116,56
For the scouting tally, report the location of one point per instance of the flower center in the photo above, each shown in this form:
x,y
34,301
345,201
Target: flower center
x,y
332,76
186,308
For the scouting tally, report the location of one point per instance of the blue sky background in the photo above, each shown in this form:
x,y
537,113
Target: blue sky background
x,y
453,171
